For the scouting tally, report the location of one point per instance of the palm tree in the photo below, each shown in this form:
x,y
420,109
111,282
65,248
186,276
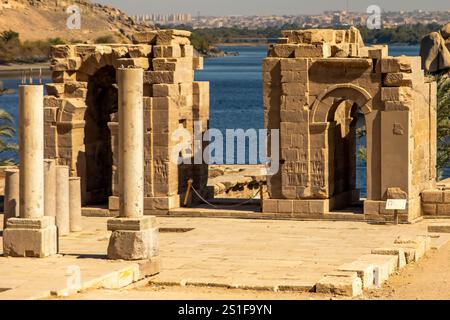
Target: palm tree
x,y
7,131
362,154
443,123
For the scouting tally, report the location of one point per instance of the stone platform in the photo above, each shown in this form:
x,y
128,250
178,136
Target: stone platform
x,y
230,253
82,256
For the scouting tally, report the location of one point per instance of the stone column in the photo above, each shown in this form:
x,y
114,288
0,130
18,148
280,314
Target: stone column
x,y
33,234
11,200
50,187
75,204
62,200
134,237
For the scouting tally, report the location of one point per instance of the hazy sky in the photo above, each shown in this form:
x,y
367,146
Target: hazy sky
x,y
230,7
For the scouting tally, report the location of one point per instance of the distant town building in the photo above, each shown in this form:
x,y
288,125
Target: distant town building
x,y
325,20
164,19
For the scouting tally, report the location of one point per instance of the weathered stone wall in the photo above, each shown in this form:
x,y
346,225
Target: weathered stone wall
x,y
316,82
81,120
436,202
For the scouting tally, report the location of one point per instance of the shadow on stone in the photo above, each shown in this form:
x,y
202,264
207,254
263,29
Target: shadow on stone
x,y
89,256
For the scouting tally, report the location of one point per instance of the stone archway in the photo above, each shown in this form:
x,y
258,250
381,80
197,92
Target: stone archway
x,y
82,131
307,80
334,118
321,107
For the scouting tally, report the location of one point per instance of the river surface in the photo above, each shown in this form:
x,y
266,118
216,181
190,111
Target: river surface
x,y
236,91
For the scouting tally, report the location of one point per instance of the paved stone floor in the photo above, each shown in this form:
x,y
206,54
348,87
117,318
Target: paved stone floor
x,y
249,254
260,254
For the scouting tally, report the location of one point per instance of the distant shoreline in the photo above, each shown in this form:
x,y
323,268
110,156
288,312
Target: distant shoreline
x,y
16,69
261,44
242,44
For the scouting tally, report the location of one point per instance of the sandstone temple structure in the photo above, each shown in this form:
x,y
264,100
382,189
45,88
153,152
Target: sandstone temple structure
x,y
321,88
317,83
81,120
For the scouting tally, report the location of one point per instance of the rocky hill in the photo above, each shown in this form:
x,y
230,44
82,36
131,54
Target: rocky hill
x,y
44,19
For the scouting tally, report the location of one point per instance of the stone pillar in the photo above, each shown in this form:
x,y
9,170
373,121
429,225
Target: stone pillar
x,y
62,200
11,200
50,187
134,237
33,234
75,204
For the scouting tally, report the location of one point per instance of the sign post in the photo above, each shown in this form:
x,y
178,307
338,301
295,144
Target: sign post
x,y
396,204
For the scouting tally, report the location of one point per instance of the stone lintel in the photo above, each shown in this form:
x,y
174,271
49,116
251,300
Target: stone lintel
x,y
31,223
132,224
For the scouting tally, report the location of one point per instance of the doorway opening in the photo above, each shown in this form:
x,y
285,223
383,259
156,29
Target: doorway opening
x,y
102,102
348,157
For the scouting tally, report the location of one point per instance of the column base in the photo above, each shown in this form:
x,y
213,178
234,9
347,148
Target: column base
x,y
32,238
133,238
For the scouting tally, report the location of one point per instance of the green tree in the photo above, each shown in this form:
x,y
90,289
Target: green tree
x,y
56,41
362,154
9,35
7,131
105,39
443,123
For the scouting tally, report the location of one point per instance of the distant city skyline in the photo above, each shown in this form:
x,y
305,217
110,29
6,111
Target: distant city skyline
x,y
268,7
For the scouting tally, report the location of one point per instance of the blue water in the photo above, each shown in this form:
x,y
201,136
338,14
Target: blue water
x,y
396,51
236,91
236,88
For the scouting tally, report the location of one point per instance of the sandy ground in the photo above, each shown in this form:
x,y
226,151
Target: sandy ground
x,y
427,280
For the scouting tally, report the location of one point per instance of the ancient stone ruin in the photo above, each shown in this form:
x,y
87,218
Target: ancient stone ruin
x,y
435,50
81,120
317,83
321,88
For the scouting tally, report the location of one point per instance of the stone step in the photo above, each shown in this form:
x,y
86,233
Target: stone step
x,y
396,252
384,266
439,227
363,269
340,283
438,240
414,247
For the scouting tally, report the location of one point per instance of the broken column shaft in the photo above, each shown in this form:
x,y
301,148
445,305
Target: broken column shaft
x,y
50,187
11,201
32,234
134,237
62,200
75,204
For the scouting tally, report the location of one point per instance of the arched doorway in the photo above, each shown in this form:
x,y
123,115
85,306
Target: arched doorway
x,y
341,111
102,102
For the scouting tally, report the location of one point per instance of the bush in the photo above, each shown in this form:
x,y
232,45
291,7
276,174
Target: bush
x,y
9,35
105,39
13,50
56,41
